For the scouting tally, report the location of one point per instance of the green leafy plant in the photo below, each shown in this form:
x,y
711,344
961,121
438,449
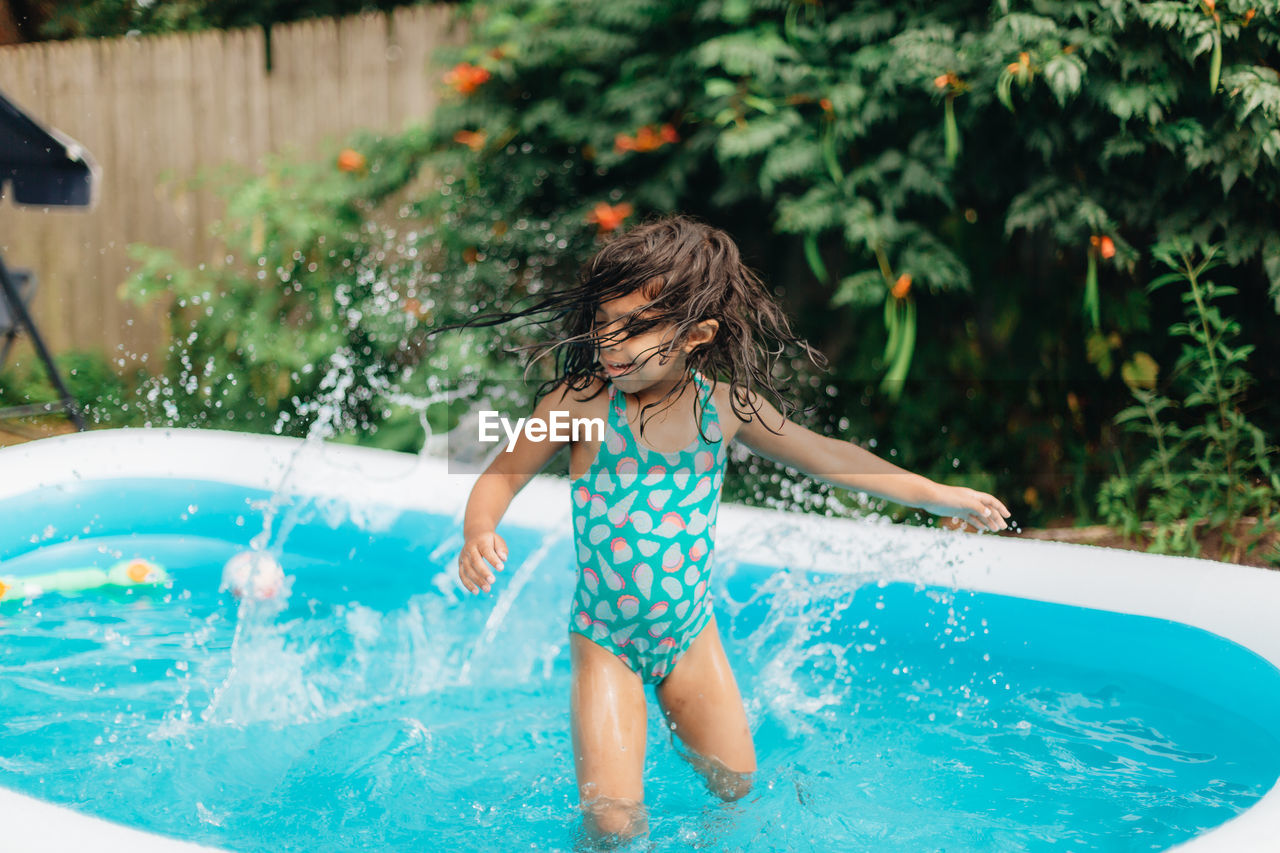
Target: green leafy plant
x,y
953,201
102,394
949,195
1209,467
106,18
311,325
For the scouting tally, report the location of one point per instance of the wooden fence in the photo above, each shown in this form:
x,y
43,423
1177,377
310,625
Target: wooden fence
x,y
154,111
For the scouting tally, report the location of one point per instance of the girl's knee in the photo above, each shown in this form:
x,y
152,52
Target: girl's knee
x,y
729,785
615,818
725,783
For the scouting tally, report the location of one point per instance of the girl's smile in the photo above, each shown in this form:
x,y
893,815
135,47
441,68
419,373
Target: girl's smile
x,y
616,368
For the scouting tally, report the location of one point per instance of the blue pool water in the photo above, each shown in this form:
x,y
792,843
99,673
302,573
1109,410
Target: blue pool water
x,y
385,709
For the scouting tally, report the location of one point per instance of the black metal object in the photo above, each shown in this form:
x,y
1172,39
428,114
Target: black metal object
x,y
41,167
25,284
10,294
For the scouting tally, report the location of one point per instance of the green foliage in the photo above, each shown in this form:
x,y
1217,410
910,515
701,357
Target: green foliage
x,y
981,153
313,327
101,394
1209,466
64,19
846,146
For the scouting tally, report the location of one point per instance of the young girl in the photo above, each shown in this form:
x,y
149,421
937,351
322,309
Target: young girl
x,y
668,339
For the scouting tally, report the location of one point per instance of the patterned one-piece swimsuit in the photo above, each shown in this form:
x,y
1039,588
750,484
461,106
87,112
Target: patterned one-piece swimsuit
x,y
645,524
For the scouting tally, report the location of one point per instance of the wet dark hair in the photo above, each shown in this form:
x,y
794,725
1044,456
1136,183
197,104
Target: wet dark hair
x,y
689,272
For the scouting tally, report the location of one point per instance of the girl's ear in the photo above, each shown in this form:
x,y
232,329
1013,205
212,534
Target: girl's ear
x,y
701,334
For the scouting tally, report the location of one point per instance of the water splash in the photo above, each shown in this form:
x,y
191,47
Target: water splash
x,y
507,596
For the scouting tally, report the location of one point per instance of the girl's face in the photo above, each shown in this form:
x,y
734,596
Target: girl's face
x,y
637,361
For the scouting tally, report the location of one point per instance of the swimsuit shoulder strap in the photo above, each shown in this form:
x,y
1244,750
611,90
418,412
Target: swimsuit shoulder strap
x,y
709,411
616,402
617,420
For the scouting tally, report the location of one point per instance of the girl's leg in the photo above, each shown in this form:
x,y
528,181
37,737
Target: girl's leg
x,y
703,707
608,721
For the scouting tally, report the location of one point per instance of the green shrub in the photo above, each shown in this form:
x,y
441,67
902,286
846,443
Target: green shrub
x,y
955,200
1209,466
102,395
311,324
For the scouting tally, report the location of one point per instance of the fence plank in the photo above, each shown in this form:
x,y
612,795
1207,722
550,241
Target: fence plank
x,y
49,301
417,32
88,309
102,251
365,66
210,130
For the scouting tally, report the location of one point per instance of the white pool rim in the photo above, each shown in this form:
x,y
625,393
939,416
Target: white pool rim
x,y
1238,603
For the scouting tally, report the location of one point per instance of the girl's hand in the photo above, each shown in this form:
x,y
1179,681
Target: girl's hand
x,y
977,508
472,568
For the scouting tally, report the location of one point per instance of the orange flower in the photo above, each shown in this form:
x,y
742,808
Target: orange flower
x,y
350,160
647,139
1248,16
609,217
899,290
412,307
1014,68
470,254
1209,4
947,81
466,78
473,139
825,103
1024,59
1107,248
3,589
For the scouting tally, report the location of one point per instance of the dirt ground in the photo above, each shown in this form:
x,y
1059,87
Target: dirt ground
x,y
29,429
16,432
1212,548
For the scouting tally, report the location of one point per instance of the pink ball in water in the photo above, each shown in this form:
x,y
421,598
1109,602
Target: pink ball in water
x,y
253,574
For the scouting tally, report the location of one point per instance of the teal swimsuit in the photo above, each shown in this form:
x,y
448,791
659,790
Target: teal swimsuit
x,y
645,524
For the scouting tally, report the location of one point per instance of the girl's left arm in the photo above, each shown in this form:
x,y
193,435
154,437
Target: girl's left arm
x,y
842,463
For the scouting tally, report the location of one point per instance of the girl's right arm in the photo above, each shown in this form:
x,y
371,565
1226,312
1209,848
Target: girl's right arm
x,y
496,487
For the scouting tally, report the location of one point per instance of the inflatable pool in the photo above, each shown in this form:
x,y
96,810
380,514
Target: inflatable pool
x,y
908,688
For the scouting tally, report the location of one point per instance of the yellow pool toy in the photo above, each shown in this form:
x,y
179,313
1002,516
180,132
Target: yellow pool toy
x,y
136,572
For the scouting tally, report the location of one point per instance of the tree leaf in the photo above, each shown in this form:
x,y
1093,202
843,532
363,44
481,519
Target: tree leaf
x,y
814,257
1140,371
1064,73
